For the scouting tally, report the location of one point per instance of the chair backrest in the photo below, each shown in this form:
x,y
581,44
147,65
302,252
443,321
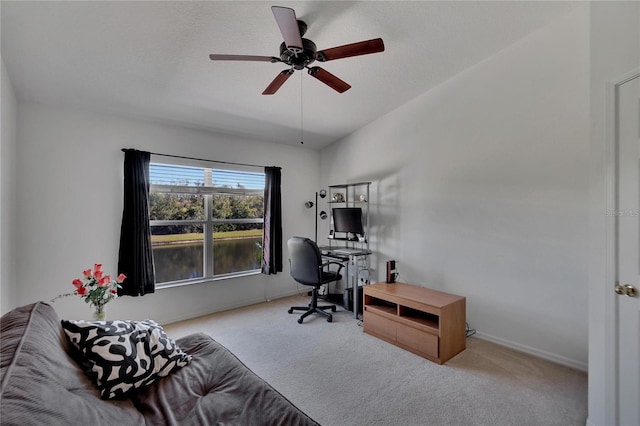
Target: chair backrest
x,y
305,260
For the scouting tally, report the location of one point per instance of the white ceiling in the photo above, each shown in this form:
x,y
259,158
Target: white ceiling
x,y
150,59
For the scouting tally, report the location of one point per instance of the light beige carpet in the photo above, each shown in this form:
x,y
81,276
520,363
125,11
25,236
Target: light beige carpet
x,y
341,376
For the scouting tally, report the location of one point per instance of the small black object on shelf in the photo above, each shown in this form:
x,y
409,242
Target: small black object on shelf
x,y
347,299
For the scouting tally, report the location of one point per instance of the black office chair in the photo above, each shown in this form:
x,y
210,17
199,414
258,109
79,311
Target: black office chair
x,y
307,268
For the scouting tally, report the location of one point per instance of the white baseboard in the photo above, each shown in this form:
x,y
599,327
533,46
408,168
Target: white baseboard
x,y
558,359
196,314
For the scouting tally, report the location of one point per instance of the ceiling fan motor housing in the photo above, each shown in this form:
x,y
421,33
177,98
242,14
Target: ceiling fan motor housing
x,y
302,59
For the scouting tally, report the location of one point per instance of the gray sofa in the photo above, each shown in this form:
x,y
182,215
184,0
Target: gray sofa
x,y
42,384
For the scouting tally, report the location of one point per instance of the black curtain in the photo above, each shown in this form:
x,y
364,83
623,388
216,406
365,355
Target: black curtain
x,y
135,258
272,242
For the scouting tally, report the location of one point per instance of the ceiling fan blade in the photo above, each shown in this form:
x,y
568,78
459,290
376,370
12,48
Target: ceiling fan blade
x,y
329,79
277,82
354,49
288,23
215,57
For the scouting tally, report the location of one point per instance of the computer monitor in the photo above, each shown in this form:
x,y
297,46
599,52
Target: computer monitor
x,y
348,219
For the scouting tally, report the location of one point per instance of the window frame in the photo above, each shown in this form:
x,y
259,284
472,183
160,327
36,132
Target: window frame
x,y
208,222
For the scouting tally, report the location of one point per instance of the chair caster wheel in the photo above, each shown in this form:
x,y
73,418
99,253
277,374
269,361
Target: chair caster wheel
x,y
300,321
330,319
333,309
290,310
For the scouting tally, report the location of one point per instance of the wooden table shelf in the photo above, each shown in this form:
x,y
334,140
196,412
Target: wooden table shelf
x,y
426,322
383,310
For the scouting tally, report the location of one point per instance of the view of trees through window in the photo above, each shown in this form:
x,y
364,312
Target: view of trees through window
x,y
203,228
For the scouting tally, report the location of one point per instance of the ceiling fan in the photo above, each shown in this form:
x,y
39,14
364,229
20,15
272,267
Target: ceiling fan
x,y
300,53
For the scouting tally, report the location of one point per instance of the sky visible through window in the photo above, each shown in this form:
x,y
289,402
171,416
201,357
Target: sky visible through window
x,y
170,174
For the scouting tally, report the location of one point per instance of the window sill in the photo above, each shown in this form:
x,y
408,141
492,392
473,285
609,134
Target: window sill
x,y
206,280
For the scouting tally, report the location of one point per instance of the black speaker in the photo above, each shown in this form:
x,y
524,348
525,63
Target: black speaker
x,y
347,299
391,271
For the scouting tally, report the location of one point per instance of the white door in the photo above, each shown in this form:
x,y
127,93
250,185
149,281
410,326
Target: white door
x,y
628,251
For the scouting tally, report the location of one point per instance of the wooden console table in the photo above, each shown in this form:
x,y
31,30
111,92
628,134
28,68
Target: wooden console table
x,y
426,322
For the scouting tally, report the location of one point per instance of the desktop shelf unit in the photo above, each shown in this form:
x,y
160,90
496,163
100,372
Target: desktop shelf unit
x,y
349,195
352,195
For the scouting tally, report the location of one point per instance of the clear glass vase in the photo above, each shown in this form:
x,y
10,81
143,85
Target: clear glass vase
x,y
100,313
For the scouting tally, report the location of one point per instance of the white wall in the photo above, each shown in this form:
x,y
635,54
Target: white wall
x,y
480,188
70,179
614,51
7,194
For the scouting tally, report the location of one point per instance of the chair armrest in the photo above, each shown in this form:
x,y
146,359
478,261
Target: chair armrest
x,y
326,265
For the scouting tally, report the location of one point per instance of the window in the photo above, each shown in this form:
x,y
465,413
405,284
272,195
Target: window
x,y
205,222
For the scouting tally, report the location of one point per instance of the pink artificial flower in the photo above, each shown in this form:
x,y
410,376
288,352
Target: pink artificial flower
x,y
81,291
77,283
87,273
97,267
98,274
121,278
104,281
114,291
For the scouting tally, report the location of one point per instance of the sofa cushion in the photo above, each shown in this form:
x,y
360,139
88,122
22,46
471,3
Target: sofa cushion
x,y
121,356
40,382
216,389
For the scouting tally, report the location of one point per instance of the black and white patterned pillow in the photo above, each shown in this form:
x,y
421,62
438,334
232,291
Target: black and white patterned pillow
x,y
121,356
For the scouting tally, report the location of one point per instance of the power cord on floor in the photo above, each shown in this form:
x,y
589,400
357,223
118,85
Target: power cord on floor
x,y
299,291
470,331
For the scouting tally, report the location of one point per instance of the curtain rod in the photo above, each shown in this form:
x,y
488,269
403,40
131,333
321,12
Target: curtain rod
x,y
202,159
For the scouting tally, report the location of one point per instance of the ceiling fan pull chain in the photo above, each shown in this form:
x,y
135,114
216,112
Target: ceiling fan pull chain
x,y
301,111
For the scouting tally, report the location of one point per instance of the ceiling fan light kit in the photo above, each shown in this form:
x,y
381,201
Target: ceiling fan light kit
x,y
299,53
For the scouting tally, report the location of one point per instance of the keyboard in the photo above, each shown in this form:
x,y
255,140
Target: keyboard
x,y
347,251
